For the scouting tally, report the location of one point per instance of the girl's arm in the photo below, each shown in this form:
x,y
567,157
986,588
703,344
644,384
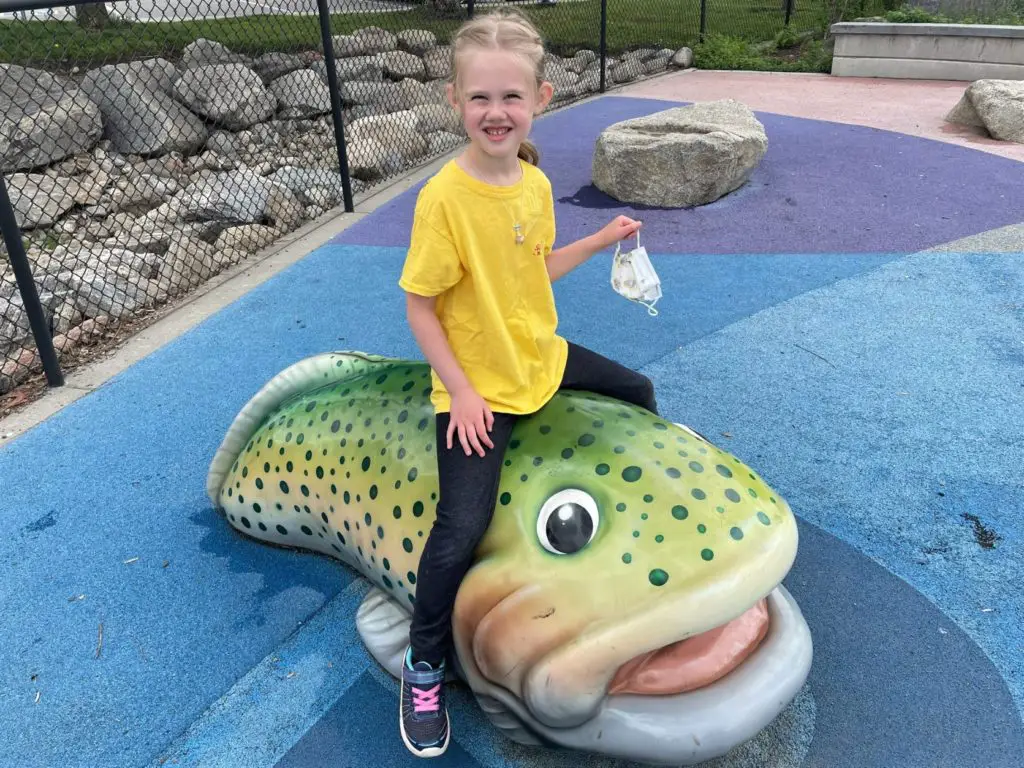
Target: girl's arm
x,y
565,259
470,414
431,339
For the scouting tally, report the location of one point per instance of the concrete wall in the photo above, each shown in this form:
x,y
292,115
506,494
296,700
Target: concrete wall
x,y
928,51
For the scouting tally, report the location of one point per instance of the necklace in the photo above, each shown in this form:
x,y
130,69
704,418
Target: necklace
x,y
520,238
516,226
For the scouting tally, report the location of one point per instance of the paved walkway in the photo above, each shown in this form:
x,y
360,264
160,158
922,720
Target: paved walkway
x,y
912,107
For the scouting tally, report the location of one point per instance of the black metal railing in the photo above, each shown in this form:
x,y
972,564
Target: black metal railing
x,y
145,148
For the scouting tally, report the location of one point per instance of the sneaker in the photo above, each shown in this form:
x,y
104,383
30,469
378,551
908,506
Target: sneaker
x,y
423,713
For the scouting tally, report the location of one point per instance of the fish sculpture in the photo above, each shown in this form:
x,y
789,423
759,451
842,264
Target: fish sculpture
x,y
626,599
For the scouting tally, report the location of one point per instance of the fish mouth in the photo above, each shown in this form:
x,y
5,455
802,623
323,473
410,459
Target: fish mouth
x,y
699,723
696,661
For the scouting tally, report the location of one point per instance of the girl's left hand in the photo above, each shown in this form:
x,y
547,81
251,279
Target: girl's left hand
x,y
618,229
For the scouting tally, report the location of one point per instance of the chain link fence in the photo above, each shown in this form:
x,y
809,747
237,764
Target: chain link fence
x,y
146,148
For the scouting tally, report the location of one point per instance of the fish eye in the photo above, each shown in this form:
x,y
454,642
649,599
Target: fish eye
x,y
567,522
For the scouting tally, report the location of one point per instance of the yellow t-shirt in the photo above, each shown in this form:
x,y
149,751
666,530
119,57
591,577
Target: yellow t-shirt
x,y
495,301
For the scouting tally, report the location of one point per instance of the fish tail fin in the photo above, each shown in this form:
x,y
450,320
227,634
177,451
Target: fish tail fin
x,y
314,371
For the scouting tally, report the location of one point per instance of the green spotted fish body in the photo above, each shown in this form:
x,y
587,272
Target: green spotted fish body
x,y
616,533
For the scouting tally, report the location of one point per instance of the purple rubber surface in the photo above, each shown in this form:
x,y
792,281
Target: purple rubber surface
x,y
821,188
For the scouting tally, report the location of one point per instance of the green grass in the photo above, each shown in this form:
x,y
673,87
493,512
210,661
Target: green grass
x,y
567,27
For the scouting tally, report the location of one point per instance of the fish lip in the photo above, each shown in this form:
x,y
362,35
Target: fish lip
x,y
698,725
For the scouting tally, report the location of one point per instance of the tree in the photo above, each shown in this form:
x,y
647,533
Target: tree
x,y
92,15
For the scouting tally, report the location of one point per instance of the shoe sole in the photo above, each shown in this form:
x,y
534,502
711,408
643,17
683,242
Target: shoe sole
x,y
428,751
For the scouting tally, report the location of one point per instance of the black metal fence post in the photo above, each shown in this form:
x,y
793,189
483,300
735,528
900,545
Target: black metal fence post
x,y
27,288
789,11
469,8
604,40
703,18
332,86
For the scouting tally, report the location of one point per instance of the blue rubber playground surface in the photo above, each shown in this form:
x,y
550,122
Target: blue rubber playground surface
x,y
877,387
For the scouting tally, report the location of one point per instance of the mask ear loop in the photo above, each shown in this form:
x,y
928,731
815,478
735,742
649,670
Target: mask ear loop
x,y
650,307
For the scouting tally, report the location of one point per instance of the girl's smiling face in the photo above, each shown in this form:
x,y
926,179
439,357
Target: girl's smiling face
x,y
498,96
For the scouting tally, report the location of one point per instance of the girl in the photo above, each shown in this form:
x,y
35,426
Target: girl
x,y
479,301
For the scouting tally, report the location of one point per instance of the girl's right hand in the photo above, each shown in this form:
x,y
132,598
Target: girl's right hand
x,y
472,417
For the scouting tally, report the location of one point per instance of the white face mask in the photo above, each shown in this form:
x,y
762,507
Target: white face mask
x,y
634,278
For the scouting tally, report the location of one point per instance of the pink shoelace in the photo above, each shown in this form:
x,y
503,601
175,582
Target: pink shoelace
x,y
425,701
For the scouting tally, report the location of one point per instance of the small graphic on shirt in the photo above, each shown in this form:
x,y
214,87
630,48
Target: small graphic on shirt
x,y
537,249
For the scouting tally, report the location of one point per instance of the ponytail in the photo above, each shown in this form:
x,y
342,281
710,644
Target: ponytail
x,y
528,152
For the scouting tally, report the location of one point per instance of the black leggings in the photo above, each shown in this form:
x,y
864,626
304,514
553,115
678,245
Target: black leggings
x,y
468,491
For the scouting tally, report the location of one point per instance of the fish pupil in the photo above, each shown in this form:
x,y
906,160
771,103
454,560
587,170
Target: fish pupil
x,y
569,528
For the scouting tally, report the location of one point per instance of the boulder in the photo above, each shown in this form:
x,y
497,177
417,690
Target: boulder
x,y
43,119
1000,105
140,116
231,95
301,94
965,114
680,157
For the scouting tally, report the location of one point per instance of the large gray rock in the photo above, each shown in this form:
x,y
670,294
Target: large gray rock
x,y
369,40
271,66
398,65
301,94
964,113
416,41
43,119
361,68
229,94
39,200
202,52
139,113
680,157
438,62
239,196
1000,105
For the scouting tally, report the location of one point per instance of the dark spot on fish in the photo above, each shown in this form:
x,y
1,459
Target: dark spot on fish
x,y
307,530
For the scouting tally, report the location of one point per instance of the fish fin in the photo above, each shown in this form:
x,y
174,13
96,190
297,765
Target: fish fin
x,y
506,721
317,370
383,624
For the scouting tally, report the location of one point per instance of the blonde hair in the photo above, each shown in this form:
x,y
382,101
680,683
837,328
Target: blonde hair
x,y
503,30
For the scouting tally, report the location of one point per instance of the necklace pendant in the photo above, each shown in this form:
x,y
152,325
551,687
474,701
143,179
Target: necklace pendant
x,y
520,239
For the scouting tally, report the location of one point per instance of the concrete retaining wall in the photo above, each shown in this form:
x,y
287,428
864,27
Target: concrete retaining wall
x,y
965,52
